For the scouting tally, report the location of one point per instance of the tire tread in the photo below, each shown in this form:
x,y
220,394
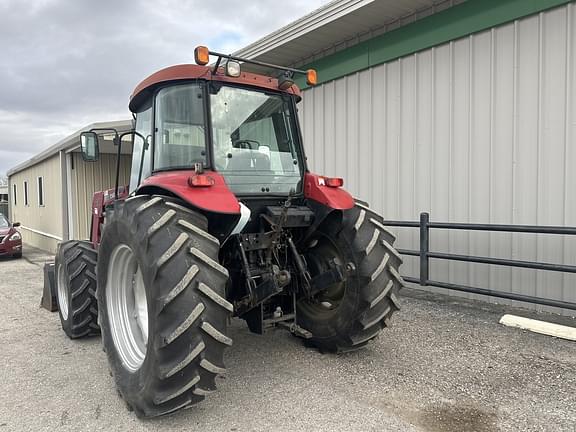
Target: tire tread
x,y
377,280
79,260
183,257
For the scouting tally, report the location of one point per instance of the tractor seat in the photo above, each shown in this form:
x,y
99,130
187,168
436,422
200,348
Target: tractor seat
x,y
249,161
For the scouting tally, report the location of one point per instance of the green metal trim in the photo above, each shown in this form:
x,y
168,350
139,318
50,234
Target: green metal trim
x,y
456,22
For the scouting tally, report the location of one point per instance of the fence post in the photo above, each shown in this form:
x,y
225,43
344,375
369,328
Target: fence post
x,y
424,248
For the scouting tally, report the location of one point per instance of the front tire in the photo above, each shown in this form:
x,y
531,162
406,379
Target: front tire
x,y
75,266
162,304
347,315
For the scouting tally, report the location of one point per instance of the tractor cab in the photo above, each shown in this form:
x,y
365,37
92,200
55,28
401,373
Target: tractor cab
x,y
247,135
218,119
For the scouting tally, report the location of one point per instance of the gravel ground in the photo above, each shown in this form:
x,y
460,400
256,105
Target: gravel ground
x,y
444,365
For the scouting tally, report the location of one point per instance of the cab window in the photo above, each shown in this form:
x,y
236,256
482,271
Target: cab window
x,y
141,150
180,140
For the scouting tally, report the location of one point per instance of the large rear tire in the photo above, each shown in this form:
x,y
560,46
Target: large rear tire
x,y
349,314
75,279
162,303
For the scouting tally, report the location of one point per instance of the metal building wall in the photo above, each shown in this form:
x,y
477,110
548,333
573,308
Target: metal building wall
x,y
87,178
480,130
41,225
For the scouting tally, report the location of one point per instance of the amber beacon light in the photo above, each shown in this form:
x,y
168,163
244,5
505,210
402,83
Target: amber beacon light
x,y
201,55
311,77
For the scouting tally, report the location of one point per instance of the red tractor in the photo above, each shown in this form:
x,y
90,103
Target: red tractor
x,y
221,218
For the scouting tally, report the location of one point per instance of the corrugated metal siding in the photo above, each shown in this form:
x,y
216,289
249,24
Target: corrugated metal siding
x,y
477,130
87,178
46,219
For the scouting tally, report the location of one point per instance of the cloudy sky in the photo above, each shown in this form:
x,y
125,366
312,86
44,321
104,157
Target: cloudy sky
x,y
68,63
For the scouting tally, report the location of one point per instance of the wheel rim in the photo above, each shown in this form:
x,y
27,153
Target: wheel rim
x,y
127,307
62,292
321,252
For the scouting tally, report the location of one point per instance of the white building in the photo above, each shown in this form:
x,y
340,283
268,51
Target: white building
x,y
51,194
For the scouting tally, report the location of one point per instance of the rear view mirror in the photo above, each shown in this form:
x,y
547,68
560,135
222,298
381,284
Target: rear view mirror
x,y
16,224
89,146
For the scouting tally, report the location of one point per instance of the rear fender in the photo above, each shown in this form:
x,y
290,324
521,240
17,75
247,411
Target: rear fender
x,y
216,202
335,198
100,200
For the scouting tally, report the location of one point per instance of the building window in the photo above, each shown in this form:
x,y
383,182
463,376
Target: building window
x,y
25,193
41,191
14,194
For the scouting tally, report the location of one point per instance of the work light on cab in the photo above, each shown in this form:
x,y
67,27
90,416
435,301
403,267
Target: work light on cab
x,y
285,80
233,68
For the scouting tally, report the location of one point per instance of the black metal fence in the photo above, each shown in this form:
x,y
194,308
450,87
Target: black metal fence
x,y
425,225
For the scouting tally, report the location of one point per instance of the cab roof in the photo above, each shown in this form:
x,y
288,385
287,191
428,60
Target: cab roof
x,y
190,71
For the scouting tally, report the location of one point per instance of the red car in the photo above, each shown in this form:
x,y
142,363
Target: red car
x,y
10,238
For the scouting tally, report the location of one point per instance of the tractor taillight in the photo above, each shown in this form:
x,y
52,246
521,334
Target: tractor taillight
x,y
200,180
334,182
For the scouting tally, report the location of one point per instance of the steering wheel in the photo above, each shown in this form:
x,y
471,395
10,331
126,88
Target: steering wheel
x,y
245,144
